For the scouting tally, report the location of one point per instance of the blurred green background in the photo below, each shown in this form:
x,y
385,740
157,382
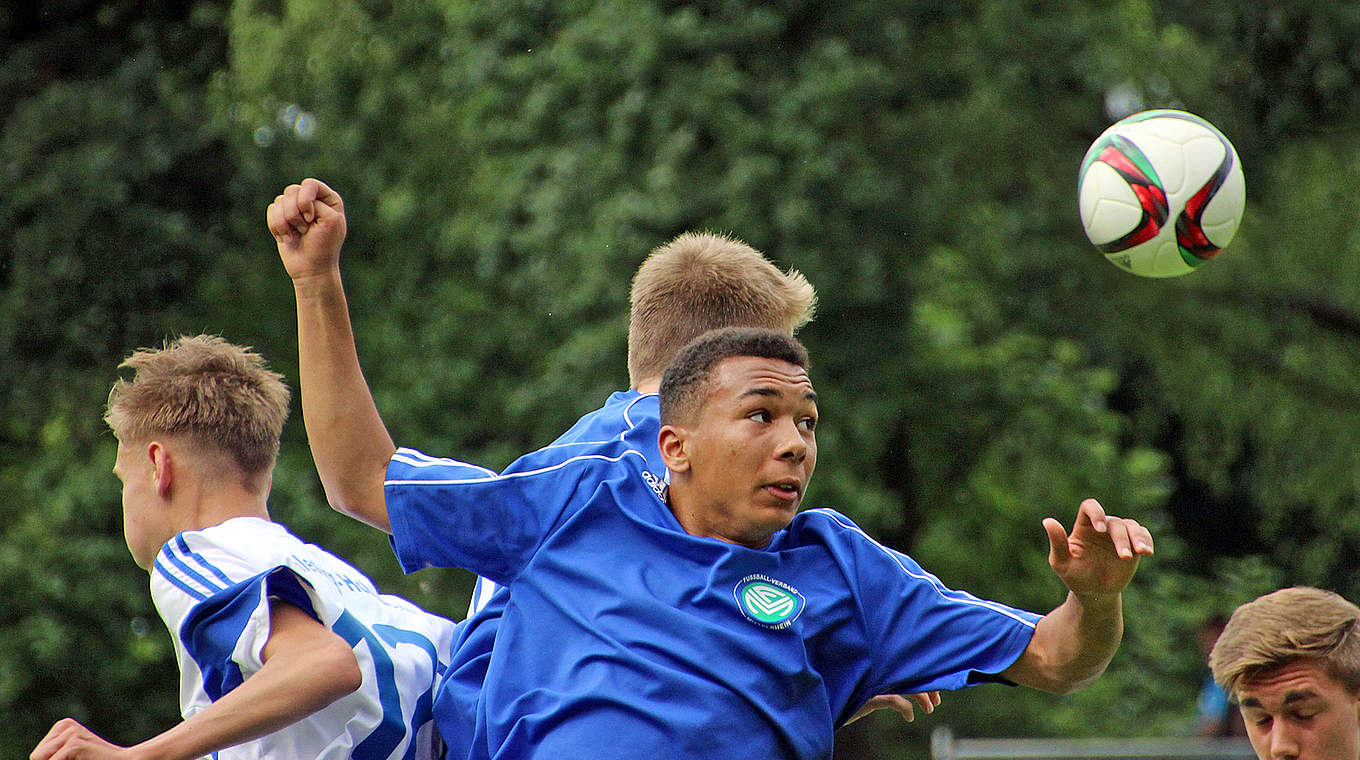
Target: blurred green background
x,y
507,163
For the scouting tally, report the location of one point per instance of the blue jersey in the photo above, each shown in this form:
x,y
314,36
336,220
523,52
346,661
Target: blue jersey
x,y
627,416
623,636
212,588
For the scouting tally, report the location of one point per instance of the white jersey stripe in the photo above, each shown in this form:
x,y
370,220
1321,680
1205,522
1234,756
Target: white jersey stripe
x,y
627,418
507,476
628,411
414,458
940,589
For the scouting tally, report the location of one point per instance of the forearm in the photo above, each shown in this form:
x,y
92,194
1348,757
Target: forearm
x,y
280,694
1072,645
346,434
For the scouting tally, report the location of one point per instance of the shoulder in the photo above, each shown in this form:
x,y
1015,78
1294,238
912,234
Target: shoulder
x,y
853,547
201,563
828,525
880,570
622,411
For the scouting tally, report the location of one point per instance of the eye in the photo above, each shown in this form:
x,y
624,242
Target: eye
x,y
808,423
760,415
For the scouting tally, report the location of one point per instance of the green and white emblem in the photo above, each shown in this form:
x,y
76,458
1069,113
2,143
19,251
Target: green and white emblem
x,y
768,602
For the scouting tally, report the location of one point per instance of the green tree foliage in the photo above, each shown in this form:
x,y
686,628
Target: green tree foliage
x,y
110,202
506,165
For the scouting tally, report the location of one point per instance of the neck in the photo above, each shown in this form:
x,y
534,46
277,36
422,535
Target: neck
x,y
648,385
695,522
207,503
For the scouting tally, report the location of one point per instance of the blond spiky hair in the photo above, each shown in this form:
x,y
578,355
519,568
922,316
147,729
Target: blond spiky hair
x,y
219,394
702,281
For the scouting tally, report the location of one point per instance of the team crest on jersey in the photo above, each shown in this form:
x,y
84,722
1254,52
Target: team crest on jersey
x,y
768,602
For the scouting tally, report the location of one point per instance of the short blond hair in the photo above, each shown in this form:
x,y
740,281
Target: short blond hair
x,y
1282,627
701,281
219,395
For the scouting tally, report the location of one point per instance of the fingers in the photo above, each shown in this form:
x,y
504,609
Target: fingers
x,y
56,739
896,702
299,206
315,198
321,193
1091,512
1059,553
1129,537
305,198
285,220
1119,537
928,701
902,705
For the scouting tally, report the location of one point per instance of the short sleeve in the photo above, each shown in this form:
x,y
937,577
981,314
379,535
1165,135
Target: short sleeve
x,y
931,637
446,513
920,634
226,632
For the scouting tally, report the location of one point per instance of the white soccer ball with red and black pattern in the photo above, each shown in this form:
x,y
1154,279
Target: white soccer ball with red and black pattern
x,y
1161,192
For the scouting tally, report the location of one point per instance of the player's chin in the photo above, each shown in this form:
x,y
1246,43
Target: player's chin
x,y
777,512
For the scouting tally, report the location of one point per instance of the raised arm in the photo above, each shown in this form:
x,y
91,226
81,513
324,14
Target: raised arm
x,y
306,667
349,442
1074,643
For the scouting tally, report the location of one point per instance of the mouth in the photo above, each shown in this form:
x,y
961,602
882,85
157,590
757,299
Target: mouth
x,y
785,490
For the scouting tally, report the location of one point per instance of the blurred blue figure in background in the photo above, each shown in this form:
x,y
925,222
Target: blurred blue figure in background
x,y
1214,713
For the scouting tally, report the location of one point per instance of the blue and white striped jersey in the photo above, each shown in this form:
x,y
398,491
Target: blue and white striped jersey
x,y
212,588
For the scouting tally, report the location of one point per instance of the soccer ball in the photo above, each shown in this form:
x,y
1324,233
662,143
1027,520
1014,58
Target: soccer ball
x,y
1160,193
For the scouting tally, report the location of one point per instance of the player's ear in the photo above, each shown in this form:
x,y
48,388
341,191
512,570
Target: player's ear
x,y
163,465
674,452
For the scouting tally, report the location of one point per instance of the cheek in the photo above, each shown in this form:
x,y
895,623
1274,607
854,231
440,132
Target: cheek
x,y
1347,734
1256,733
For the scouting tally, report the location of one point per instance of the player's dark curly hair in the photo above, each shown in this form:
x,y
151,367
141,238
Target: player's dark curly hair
x,y
684,383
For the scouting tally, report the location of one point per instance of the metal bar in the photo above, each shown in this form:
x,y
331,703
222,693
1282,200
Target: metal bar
x,y
944,746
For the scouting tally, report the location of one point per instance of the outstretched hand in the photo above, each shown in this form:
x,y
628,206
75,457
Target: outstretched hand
x,y
1102,552
308,222
900,703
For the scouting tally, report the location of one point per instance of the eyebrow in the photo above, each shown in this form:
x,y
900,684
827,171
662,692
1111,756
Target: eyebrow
x,y
1289,698
771,392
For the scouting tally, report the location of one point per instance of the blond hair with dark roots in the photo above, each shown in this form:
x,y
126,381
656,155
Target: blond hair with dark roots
x,y
701,281
1285,626
217,394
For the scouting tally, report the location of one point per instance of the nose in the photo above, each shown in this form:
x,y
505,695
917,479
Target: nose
x,y
1284,744
792,445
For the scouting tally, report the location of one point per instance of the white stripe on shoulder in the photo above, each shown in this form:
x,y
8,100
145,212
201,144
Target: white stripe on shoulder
x,y
414,458
944,591
627,419
492,477
628,410
570,444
